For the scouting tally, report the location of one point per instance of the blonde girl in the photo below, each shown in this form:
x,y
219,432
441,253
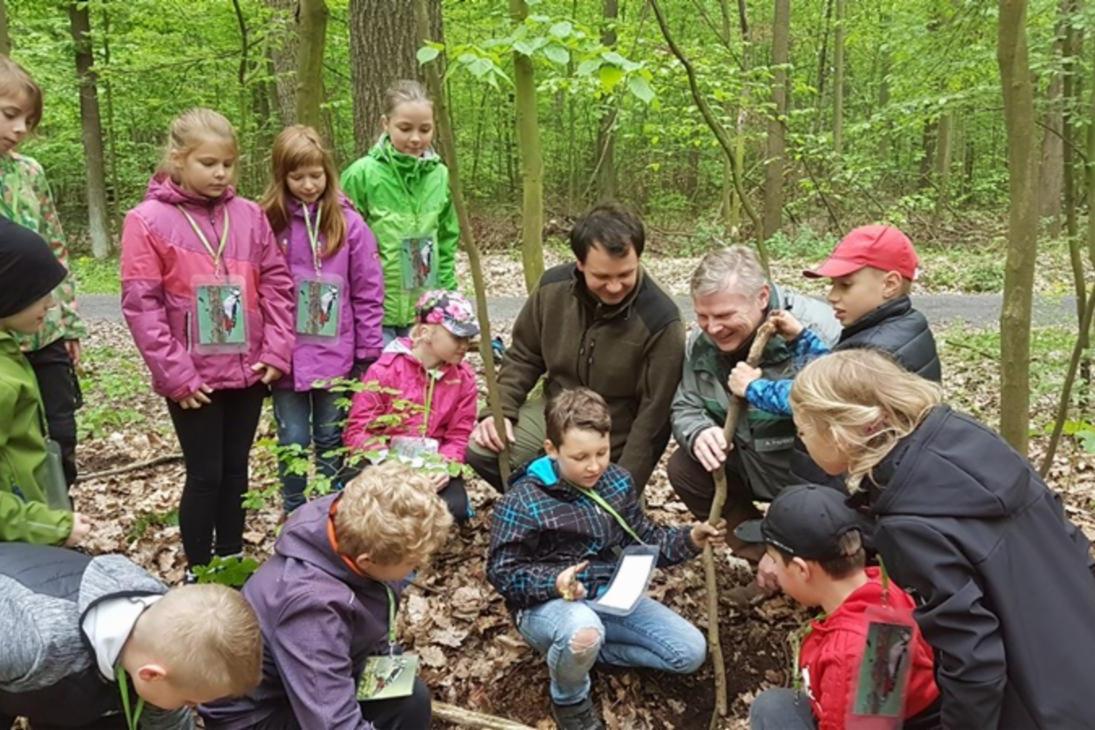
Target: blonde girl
x,y
208,297
338,289
965,524
401,188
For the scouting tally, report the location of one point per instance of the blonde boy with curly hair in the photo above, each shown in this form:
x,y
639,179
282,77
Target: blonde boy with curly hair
x,y
326,601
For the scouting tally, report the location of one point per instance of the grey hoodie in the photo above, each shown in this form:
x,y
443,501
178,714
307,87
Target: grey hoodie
x,y
1002,577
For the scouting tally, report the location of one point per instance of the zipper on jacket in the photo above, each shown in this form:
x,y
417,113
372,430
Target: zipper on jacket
x,y
186,330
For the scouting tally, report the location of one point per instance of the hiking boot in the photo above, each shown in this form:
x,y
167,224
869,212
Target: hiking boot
x,y
581,716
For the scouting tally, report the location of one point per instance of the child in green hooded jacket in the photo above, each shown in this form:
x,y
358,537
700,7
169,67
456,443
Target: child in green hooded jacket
x,y
401,189
28,274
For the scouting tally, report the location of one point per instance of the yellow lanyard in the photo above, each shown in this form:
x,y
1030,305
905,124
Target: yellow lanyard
x,y
205,241
131,717
603,504
313,234
391,619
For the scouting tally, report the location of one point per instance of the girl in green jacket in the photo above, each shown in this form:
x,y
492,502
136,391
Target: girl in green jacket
x,y
401,188
28,273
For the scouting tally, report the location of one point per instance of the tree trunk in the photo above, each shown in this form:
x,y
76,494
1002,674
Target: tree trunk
x,y
532,162
382,51
884,145
1052,168
838,80
943,147
1071,103
776,140
313,36
282,52
5,36
1018,92
92,131
606,137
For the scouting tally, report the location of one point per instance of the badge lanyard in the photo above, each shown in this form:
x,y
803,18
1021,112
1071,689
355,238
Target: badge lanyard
x,y
219,252
391,620
600,501
313,235
131,716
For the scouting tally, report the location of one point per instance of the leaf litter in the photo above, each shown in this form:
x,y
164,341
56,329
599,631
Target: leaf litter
x,y
472,656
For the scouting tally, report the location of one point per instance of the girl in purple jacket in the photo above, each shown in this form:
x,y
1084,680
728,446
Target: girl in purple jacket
x,y
207,295
339,293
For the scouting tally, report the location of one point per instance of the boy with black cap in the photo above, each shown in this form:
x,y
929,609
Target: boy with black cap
x,y
28,273
872,271
814,539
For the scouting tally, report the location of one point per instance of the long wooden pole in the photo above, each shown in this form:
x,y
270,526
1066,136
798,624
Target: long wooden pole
x,y
733,413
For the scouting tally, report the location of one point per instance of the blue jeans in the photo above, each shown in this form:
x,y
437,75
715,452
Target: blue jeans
x,y
781,709
390,333
303,419
574,637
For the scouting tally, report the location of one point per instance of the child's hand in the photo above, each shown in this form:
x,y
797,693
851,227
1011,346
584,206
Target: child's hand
x,y
197,399
741,376
786,325
766,574
704,534
440,480
710,448
568,585
80,529
269,372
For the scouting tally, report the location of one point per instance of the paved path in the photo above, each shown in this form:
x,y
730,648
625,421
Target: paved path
x,y
978,310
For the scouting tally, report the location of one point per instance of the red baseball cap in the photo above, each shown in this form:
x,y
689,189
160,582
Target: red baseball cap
x,y
882,247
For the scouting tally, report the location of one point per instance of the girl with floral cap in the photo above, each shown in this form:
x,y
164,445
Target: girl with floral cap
x,y
419,399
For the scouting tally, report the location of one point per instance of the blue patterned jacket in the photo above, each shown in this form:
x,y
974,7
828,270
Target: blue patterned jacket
x,y
544,525
774,396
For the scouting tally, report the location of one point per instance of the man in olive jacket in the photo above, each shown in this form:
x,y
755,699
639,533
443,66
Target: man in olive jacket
x,y
732,297
602,323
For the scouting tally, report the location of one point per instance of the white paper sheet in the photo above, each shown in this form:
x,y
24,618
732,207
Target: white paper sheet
x,y
629,583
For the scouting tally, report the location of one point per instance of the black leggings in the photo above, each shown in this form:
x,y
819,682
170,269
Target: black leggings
x,y
216,443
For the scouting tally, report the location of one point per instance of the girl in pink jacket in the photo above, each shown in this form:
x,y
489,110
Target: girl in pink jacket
x,y
419,400
207,295
338,289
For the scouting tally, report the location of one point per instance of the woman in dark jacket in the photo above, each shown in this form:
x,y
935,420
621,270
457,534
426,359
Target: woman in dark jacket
x,y
1003,580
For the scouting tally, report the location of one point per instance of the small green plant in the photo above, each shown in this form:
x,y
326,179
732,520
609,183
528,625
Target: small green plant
x,y
148,520
111,380
232,571
96,276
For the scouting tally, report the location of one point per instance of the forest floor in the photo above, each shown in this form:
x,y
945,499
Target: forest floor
x,y
472,656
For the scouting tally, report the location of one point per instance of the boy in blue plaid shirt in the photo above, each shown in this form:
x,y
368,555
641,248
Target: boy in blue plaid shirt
x,y
555,540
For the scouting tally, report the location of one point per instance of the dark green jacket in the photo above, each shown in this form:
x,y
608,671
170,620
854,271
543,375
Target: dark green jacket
x,y
630,353
24,516
403,197
763,440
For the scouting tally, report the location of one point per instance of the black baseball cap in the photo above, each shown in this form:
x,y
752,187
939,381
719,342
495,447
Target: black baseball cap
x,y
806,521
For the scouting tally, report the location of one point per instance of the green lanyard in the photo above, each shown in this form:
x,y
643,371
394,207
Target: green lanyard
x,y
391,619
412,201
131,717
313,234
205,241
600,501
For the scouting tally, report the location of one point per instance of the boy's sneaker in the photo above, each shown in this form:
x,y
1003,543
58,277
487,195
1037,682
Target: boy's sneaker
x,y
581,716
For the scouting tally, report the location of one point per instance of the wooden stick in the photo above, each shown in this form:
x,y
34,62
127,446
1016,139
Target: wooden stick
x,y
733,413
167,459
469,718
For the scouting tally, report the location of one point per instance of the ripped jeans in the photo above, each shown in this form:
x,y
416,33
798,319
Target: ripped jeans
x,y
574,637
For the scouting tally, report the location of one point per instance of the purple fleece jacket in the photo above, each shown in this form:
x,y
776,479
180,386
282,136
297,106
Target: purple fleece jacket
x,y
319,622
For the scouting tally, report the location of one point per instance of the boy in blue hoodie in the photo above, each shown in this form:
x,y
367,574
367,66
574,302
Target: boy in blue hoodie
x,y
326,601
554,544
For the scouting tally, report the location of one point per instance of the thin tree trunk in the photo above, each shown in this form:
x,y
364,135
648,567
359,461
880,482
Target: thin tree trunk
x,y
5,36
838,80
111,127
313,36
532,162
823,55
885,145
1051,169
382,51
282,53
1018,93
776,139
943,147
606,136
92,130
424,11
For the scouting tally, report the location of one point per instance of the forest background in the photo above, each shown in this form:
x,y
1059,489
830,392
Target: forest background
x,y
969,124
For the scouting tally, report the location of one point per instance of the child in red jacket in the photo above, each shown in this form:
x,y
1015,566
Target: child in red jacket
x,y
419,400
814,540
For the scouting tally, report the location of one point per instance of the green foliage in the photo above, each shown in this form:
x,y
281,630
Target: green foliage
x,y
147,520
96,276
232,571
111,380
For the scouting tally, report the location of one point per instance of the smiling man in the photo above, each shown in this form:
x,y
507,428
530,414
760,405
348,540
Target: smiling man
x,y
732,297
602,323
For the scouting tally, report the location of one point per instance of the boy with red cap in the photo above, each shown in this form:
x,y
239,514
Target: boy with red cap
x,y
872,271
814,540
